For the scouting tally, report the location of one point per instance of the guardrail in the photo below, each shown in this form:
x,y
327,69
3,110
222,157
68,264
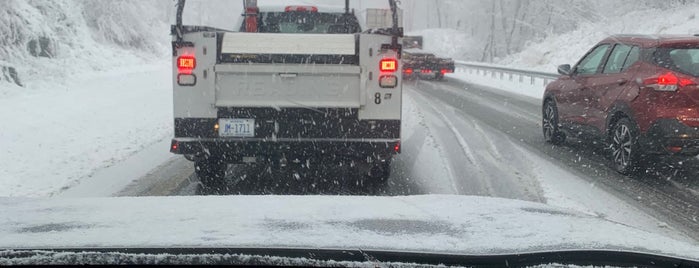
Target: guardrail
x,y
506,73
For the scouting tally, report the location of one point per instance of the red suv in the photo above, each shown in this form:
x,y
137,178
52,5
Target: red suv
x,y
640,94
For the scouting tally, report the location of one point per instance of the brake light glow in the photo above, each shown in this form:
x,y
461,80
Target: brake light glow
x,y
389,65
186,64
675,149
408,71
301,9
444,71
397,148
174,147
668,82
667,79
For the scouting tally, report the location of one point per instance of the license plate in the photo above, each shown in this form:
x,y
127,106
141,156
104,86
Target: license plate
x,y
236,128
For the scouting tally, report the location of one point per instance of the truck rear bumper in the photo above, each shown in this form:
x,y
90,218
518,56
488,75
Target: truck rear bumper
x,y
232,148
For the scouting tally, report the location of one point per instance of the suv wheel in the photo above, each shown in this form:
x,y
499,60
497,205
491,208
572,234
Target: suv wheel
x,y
550,124
626,154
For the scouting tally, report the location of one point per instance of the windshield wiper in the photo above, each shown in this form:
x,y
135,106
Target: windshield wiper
x,y
270,256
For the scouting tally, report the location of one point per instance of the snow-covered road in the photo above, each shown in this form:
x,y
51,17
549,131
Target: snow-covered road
x,y
467,139
458,138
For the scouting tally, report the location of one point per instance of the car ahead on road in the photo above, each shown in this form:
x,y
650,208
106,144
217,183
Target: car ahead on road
x,y
425,66
640,94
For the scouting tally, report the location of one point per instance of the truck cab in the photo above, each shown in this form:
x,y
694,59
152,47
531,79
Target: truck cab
x,y
295,83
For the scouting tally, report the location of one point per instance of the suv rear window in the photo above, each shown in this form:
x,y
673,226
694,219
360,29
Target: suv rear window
x,y
683,60
306,22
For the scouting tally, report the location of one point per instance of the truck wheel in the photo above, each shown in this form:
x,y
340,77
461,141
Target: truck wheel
x,y
211,172
380,173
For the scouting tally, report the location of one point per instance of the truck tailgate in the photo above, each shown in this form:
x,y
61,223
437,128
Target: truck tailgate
x,y
288,85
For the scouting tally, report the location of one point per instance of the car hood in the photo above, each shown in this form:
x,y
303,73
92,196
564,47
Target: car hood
x,y
432,223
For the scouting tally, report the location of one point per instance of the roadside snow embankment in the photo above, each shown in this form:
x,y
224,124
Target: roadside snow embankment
x,y
47,43
512,84
95,88
55,140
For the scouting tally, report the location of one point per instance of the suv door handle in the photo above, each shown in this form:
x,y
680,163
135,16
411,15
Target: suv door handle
x,y
622,81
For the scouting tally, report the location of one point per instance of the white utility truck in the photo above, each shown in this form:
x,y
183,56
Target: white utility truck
x,y
295,83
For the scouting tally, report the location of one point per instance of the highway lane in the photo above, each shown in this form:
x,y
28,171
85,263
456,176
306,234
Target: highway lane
x,y
463,139
667,190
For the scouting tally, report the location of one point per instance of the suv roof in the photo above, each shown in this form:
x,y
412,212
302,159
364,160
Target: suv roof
x,y
649,41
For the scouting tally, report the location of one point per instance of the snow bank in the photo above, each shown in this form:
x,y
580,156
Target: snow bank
x,y
95,89
54,140
570,47
49,43
524,88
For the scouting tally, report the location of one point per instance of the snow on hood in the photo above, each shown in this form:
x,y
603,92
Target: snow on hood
x,y
433,223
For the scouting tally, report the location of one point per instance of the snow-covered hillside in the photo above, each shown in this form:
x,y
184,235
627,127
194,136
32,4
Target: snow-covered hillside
x,y
568,48
95,88
48,43
447,43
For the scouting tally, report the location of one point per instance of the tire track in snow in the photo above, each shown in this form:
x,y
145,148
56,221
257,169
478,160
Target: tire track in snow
x,y
420,141
463,145
653,193
489,173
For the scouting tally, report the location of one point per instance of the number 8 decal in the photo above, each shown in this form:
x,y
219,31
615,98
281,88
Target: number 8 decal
x,y
377,98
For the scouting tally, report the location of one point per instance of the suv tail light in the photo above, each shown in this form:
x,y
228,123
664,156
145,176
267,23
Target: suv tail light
x,y
668,82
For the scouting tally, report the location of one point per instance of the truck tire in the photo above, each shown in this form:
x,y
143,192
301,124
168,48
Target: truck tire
x,y
211,172
379,174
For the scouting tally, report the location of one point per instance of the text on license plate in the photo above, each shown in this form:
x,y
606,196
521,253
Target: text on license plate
x,y
236,127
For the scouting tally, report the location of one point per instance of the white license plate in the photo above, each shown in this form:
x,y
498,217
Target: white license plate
x,y
236,128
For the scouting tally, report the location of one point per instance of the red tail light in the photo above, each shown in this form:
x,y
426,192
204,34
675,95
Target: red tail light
x,y
408,71
668,82
174,147
301,9
444,71
667,79
396,148
389,65
186,64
